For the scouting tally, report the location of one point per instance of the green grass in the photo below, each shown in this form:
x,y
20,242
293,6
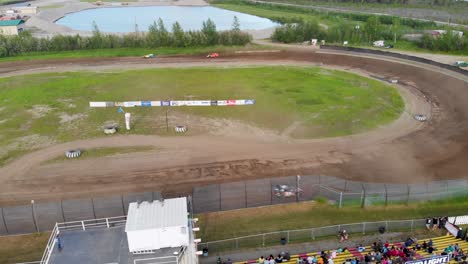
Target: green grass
x,y
325,103
126,52
405,45
22,248
103,152
229,224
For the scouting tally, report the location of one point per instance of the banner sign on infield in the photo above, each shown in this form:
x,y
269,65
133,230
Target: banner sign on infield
x,y
174,103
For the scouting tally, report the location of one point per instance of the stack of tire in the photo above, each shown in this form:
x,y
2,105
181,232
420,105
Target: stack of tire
x,y
72,154
180,129
420,118
110,130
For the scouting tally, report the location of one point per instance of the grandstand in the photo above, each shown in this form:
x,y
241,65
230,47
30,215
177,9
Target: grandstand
x,y
440,243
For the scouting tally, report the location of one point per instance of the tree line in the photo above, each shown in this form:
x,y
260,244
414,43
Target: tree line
x,y
157,36
366,33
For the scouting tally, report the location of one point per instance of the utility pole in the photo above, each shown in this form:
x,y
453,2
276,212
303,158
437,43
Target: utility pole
x,y
34,215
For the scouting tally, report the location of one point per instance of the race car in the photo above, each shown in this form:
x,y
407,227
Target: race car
x,y
213,55
149,56
285,191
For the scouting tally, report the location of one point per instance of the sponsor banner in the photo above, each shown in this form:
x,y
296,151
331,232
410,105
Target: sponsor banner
x,y
240,102
205,103
155,103
98,104
451,228
230,102
222,102
145,103
432,260
119,104
214,103
165,103
175,103
249,101
132,103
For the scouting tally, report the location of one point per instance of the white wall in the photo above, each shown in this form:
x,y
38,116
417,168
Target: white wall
x,y
157,238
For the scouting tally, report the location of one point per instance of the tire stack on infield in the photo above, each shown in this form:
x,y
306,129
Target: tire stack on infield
x,y
71,154
180,129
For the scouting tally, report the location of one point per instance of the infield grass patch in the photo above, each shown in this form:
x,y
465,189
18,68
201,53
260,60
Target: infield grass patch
x,y
44,109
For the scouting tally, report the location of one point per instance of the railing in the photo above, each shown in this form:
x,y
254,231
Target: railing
x,y
78,225
94,223
175,259
305,235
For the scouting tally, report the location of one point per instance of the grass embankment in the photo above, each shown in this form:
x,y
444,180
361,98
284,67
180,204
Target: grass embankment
x,y
23,248
129,52
43,109
229,224
104,152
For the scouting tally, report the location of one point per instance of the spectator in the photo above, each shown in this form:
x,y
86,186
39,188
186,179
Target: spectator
x,y
343,236
361,248
333,254
279,259
310,260
261,260
430,249
435,223
330,261
229,261
431,244
219,261
428,223
424,245
286,256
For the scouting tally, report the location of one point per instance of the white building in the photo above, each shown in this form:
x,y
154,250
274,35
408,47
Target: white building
x,y
11,27
158,224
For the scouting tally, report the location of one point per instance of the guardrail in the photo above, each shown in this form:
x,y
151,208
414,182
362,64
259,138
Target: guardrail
x,y
397,55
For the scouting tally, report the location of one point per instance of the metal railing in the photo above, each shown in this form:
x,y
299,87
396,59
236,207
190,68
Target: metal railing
x,y
78,225
308,234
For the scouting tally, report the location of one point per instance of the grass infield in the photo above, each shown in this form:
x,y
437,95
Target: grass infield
x,y
44,109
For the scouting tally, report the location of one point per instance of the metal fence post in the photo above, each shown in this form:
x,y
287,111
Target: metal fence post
x,y
82,225
287,239
4,221
386,194
407,195
263,240
237,243
34,216
63,212
341,199
363,198
123,204
364,227
312,234
412,223
92,204
245,191
219,190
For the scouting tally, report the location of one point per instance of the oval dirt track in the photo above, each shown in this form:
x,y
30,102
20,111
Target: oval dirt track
x,y
404,151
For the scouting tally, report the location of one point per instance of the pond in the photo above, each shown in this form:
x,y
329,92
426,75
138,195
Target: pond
x,y
123,19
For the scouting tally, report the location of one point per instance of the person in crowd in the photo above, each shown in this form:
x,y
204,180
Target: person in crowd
x,y
219,261
424,245
261,260
279,259
343,235
320,260
310,260
430,249
435,223
229,261
428,223
361,248
330,260
430,243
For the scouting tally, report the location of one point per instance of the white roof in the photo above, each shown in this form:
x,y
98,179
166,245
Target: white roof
x,y
157,214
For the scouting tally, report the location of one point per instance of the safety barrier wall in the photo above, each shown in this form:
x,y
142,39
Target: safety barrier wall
x,y
396,55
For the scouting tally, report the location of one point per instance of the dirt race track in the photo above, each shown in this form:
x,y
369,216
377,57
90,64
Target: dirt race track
x,y
404,151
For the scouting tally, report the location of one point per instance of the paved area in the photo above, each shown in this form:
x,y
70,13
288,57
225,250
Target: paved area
x,y
103,246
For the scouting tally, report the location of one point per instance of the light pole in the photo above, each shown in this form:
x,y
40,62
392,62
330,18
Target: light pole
x,y
34,216
298,187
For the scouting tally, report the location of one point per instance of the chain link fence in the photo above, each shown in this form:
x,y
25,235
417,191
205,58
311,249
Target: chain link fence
x,y
308,235
42,216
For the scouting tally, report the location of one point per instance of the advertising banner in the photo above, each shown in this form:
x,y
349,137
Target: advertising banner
x,y
121,104
132,103
249,101
97,104
432,260
230,102
146,103
240,102
214,103
155,103
165,103
222,102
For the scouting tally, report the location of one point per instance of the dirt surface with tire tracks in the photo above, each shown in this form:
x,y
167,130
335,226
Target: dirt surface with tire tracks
x,y
403,151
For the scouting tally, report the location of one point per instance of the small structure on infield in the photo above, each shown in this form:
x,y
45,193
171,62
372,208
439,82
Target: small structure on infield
x,y
74,153
180,129
159,224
